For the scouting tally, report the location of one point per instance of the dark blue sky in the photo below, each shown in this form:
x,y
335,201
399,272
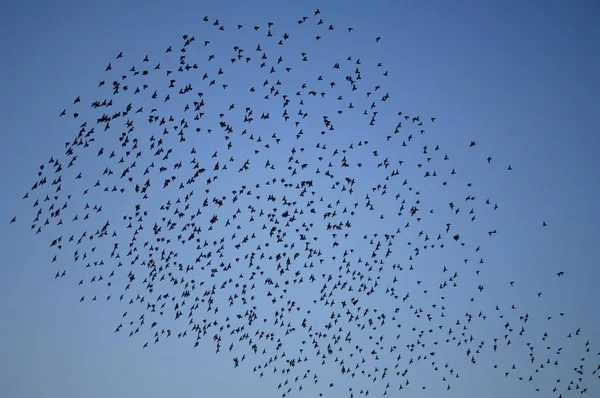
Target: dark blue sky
x,y
519,78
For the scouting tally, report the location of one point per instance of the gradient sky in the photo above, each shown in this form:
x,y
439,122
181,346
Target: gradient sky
x,y
520,78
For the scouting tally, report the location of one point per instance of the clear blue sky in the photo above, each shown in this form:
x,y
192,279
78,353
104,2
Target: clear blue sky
x,y
519,78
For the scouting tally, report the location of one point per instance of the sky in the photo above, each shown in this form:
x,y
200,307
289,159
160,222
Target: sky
x,y
518,78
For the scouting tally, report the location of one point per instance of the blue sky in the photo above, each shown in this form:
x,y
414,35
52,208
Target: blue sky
x,y
519,78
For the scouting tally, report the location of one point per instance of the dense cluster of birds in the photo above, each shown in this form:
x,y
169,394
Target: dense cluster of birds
x,y
241,205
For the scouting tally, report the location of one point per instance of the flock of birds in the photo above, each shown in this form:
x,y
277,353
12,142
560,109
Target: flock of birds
x,y
240,230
